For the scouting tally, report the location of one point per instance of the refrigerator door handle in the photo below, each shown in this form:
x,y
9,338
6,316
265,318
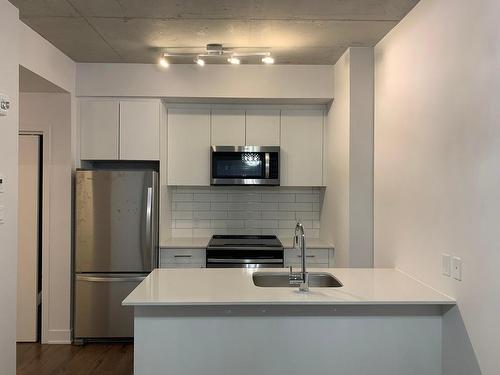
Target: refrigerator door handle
x,y
109,279
149,222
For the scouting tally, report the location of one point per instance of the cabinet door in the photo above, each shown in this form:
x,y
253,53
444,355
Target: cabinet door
x,y
140,130
99,130
302,148
188,147
228,127
262,127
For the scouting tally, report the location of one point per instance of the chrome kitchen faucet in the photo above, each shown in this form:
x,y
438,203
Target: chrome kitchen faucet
x,y
300,278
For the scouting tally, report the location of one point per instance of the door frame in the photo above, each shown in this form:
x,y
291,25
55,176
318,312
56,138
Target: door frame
x,y
44,132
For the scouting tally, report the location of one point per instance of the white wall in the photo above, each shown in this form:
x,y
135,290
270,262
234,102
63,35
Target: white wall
x,y
9,84
57,112
437,157
52,113
347,215
42,58
306,83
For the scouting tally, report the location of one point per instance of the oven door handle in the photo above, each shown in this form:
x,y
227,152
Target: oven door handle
x,y
243,261
256,248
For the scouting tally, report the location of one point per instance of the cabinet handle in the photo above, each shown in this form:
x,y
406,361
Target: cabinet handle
x,y
307,256
182,256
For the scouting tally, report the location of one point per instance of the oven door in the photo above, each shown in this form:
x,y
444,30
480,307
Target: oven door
x,y
244,258
245,165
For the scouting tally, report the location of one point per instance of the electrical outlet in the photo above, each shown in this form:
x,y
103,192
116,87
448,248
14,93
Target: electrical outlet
x,y
456,268
2,184
446,265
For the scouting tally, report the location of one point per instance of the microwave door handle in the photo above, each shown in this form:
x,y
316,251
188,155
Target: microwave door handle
x,y
267,164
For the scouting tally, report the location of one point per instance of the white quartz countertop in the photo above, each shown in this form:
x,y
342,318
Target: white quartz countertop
x,y
201,243
215,287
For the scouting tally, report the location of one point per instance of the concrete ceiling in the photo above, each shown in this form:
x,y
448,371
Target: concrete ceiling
x,y
132,31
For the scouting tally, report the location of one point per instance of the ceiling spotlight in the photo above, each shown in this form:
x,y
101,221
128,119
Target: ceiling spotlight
x,y
163,61
268,60
200,61
233,60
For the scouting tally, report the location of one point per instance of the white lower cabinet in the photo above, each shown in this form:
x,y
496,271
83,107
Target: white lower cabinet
x,y
196,258
315,258
182,258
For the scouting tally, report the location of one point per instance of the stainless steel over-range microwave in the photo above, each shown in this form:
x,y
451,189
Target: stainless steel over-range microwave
x,y
245,165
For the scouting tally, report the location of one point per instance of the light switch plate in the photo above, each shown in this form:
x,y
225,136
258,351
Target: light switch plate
x,y
4,104
456,268
2,184
2,214
446,265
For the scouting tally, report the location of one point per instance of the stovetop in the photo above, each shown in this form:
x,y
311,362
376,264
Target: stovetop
x,y
244,241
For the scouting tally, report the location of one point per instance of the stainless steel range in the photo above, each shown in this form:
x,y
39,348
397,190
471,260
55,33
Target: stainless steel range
x,y
244,251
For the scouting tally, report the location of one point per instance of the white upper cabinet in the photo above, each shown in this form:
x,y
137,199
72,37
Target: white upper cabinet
x,y
99,129
228,127
188,147
120,130
302,147
140,130
263,127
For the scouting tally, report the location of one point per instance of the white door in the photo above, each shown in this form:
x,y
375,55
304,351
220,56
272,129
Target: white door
x,y
263,127
188,146
140,130
228,127
302,148
99,129
28,220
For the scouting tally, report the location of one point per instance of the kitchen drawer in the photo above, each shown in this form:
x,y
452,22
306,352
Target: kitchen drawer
x,y
191,258
313,256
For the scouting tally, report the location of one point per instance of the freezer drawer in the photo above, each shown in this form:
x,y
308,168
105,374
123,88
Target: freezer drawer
x,y
98,309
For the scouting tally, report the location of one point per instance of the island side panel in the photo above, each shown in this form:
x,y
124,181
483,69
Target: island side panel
x,y
344,341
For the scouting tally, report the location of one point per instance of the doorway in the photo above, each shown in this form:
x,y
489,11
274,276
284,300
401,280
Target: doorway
x,y
29,265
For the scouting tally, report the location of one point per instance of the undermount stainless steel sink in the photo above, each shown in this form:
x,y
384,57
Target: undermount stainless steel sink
x,y
281,280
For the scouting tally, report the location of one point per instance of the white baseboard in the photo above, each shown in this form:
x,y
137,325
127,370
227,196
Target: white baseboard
x,y
59,336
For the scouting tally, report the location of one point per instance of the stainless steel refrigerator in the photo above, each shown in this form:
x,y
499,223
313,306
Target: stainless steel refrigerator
x,y
116,246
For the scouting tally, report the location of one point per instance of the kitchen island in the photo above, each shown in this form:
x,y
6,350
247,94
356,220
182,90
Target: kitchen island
x,y
217,322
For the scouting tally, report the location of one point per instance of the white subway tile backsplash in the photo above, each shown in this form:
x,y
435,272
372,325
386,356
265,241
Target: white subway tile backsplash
x,y
244,197
281,215
295,206
277,197
201,197
182,215
209,214
198,232
227,224
182,224
308,215
244,214
204,211
210,197
182,232
191,206
182,197
313,197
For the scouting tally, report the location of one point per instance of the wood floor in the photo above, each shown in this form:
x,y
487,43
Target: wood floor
x,y
95,359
